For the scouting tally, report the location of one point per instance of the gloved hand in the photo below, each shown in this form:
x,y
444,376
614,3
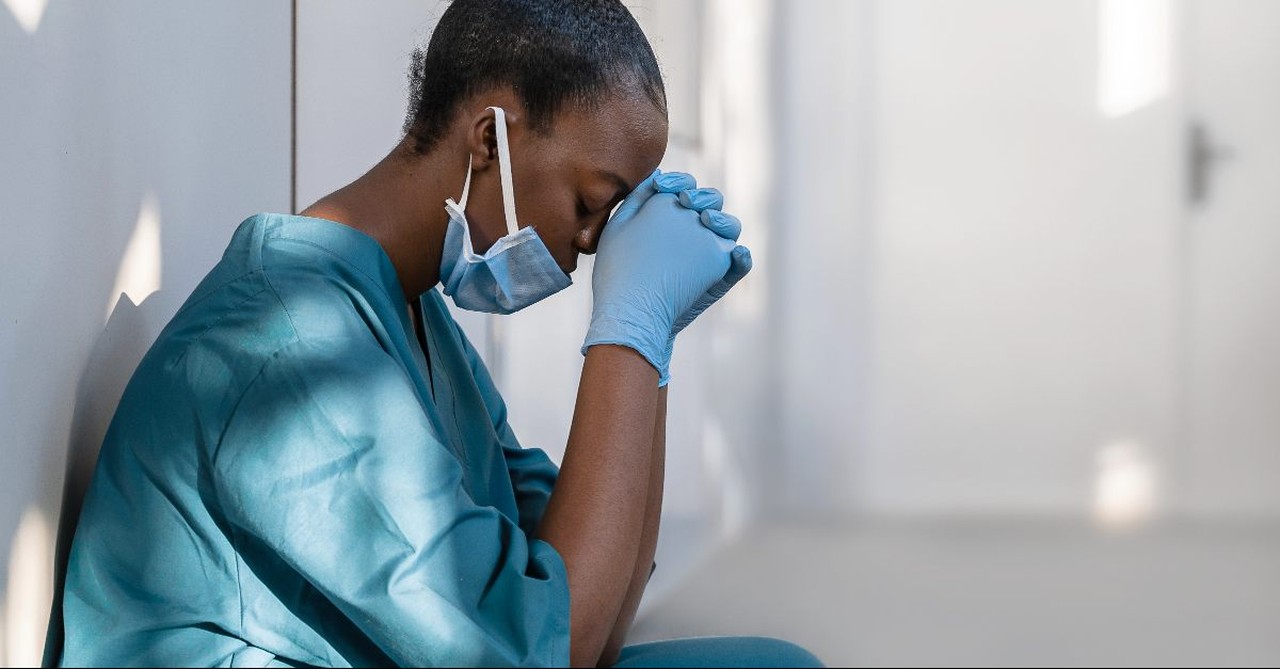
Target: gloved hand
x,y
707,202
659,264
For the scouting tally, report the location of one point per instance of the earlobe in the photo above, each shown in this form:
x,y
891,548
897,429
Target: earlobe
x,y
482,140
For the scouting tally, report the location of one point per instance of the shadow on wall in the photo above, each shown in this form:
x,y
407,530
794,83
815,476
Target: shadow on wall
x,y
129,333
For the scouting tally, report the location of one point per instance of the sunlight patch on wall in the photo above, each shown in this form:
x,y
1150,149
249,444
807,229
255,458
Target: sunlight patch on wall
x,y
27,13
1125,492
30,590
739,90
1135,54
140,266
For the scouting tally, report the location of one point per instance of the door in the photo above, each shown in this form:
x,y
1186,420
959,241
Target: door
x,y
1023,290
1232,310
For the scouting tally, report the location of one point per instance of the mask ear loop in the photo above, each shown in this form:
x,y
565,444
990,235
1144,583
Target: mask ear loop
x,y
461,205
504,171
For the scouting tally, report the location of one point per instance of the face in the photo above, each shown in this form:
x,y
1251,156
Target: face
x,y
567,182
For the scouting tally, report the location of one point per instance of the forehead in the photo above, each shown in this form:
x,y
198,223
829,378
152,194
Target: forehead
x,y
625,134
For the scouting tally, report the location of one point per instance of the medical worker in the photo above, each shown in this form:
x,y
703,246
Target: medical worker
x,y
311,466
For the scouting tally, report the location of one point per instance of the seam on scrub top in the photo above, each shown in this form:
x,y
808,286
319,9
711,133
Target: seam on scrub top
x,y
461,451
255,265
266,278
222,315
477,365
389,302
213,291
235,548
329,251
231,415
213,462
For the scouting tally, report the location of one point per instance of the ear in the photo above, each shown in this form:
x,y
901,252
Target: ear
x,y
482,140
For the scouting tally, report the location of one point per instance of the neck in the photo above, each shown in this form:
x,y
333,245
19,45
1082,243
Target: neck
x,y
400,203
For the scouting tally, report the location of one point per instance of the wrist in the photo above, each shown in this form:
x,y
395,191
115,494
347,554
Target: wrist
x,y
619,331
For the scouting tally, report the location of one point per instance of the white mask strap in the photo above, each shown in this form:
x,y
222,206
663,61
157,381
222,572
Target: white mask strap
x,y
466,187
504,171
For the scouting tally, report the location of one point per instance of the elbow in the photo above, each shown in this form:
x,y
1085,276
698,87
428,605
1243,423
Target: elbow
x,y
610,655
591,645
585,652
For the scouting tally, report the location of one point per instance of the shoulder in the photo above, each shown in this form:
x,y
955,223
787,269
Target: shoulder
x,y
331,395
285,297
286,278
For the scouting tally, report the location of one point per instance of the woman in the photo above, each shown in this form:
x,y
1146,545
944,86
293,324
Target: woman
x,y
312,465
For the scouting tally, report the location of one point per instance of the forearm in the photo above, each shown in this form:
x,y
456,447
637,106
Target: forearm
x,y
596,517
649,539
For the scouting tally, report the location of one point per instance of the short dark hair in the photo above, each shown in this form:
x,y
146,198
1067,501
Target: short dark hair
x,y
551,52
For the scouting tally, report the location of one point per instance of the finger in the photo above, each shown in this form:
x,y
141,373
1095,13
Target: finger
x,y
636,199
725,225
674,182
740,264
702,199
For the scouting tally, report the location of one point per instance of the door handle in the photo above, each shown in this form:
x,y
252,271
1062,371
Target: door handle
x,y
1203,156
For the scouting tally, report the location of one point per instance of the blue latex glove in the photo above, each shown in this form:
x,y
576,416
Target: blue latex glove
x,y
656,261
707,202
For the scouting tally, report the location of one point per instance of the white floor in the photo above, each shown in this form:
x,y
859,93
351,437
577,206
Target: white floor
x,y
991,593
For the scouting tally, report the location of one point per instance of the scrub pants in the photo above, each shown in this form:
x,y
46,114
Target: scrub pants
x,y
741,651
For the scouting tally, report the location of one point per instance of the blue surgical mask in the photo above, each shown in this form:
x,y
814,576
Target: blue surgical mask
x,y
516,271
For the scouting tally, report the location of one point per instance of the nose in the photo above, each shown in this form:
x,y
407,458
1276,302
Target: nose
x,y
589,239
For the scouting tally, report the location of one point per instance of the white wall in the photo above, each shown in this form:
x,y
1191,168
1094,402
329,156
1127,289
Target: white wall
x,y
353,78
136,136
993,296
824,227
1024,298
980,293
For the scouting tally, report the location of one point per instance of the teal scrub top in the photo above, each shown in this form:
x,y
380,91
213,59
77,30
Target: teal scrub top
x,y
288,480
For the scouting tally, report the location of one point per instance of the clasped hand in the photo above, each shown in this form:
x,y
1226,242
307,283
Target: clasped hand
x,y
667,254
